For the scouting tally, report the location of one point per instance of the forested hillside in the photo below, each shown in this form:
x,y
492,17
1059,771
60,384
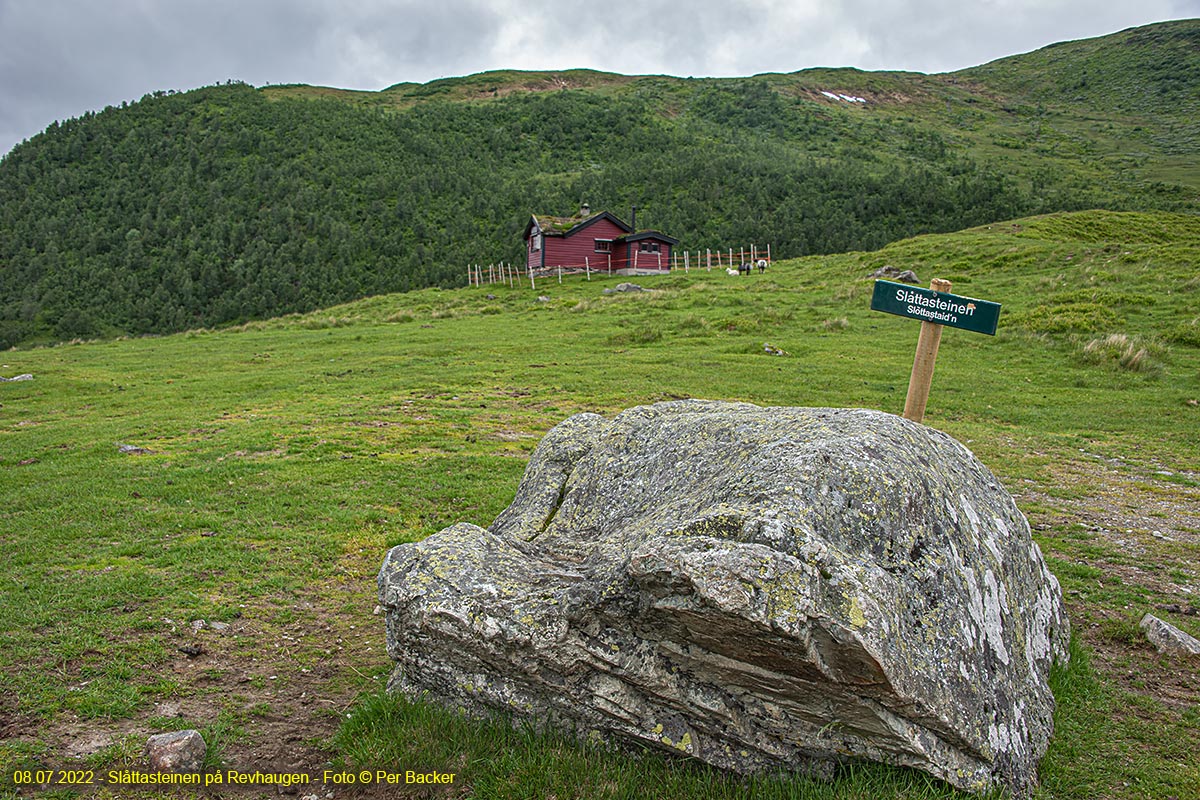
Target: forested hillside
x,y
230,202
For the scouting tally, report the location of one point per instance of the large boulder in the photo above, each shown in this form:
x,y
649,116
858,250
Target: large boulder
x,y
755,587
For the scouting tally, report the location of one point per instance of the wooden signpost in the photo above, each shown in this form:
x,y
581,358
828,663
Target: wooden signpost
x,y
936,308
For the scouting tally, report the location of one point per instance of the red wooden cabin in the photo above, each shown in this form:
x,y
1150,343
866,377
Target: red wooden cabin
x,y
599,241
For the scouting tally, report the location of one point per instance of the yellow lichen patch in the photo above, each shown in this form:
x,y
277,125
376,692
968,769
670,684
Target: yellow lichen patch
x,y
857,618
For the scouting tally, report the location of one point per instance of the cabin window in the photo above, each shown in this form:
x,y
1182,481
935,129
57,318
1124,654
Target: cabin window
x,y
649,247
604,245
535,243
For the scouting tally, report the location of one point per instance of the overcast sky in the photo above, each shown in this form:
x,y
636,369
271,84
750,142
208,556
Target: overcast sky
x,y
62,58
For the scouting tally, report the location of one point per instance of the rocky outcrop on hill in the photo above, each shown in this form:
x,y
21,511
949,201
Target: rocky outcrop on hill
x,y
755,587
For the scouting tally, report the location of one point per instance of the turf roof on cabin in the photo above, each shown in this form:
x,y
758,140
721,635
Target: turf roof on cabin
x,y
561,226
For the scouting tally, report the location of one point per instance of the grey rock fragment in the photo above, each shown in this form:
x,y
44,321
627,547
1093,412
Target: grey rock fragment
x,y
904,276
625,287
169,708
1168,639
759,588
179,751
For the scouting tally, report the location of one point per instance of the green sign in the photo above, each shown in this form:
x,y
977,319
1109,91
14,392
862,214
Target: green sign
x,y
941,308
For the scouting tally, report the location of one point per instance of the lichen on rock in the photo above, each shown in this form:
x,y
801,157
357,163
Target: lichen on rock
x,y
759,588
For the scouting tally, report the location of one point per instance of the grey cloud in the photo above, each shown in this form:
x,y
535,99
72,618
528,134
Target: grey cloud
x,y
637,36
61,58
945,35
381,43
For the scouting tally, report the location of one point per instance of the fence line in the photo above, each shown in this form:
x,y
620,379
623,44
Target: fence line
x,y
507,272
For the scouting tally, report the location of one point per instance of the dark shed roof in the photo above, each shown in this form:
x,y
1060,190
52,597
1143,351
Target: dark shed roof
x,y
662,237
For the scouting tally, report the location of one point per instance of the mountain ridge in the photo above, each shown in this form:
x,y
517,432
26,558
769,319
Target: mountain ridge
x,y
229,203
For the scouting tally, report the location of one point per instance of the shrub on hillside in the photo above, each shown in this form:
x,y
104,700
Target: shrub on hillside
x,y
1121,351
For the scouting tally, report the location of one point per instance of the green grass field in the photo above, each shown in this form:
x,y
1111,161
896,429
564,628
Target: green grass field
x,y
286,456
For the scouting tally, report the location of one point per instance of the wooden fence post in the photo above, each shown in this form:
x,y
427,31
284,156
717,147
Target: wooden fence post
x,y
923,362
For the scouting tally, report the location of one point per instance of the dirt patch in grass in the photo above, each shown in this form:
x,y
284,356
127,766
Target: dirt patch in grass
x,y
268,692
1144,524
1118,498
1131,533
1122,655
14,724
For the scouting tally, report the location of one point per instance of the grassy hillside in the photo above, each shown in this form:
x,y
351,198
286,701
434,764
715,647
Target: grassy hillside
x,y
1151,70
287,455
229,203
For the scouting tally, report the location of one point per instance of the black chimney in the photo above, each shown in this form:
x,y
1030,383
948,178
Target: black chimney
x,y
633,218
